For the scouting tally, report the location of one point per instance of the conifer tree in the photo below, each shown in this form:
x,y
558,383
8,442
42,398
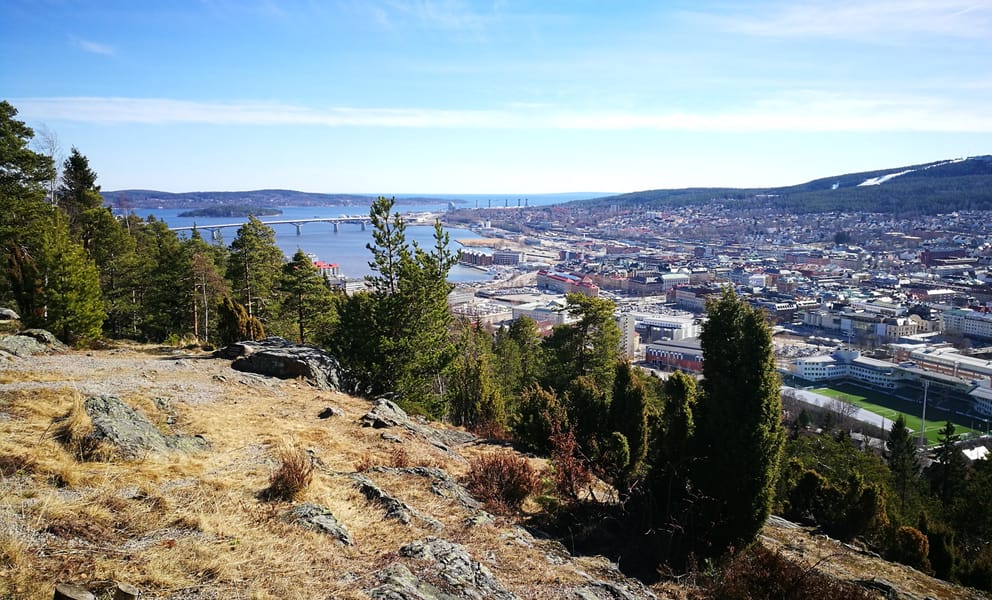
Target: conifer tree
x,y
24,175
739,434
307,298
73,308
902,459
949,465
588,347
253,268
473,396
629,417
207,286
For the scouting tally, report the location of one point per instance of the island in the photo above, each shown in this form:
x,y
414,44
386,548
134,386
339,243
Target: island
x,y
232,210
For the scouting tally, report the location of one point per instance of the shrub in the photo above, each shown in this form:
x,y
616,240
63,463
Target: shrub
x,y
760,573
293,476
502,480
911,547
571,473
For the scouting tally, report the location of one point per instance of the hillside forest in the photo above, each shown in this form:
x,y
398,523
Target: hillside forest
x,y
664,476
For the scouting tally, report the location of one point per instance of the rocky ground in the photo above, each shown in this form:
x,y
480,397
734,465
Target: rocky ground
x,y
385,516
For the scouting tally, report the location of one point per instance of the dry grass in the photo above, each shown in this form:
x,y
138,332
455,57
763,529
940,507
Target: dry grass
x,y
293,476
181,526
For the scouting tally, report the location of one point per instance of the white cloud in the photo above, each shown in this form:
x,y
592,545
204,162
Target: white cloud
x,y
94,47
807,111
865,20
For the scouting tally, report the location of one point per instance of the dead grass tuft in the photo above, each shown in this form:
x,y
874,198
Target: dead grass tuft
x,y
74,430
293,476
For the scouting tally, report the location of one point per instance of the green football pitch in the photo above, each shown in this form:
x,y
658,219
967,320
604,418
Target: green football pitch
x,y
890,408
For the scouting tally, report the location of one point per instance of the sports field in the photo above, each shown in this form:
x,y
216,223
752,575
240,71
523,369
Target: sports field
x,y
890,408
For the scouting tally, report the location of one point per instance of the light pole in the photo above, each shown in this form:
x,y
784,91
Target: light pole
x,y
923,419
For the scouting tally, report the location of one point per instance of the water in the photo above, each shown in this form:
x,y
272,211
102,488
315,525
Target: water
x,y
346,247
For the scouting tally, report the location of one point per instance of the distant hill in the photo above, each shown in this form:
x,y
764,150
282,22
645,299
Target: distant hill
x,y
938,187
127,199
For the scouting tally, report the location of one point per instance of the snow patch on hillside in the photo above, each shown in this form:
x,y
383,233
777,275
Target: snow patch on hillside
x,y
883,178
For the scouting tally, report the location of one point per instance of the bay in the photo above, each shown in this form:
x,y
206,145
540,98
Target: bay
x,y
345,247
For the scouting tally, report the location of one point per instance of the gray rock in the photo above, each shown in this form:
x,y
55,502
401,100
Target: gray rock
x,y
131,432
329,412
30,342
8,315
398,583
603,590
320,519
391,438
885,588
457,569
246,347
394,507
385,413
315,366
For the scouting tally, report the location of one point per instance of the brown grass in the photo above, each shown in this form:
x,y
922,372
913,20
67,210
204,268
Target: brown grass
x,y
74,430
194,526
292,478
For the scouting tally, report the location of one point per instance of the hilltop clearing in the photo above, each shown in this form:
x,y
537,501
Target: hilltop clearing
x,y
385,515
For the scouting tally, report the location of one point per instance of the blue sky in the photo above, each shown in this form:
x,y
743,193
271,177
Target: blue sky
x,y
451,96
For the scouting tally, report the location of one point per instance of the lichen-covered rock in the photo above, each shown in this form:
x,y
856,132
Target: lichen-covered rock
x,y
442,484
131,432
604,590
320,519
398,583
30,342
457,569
7,314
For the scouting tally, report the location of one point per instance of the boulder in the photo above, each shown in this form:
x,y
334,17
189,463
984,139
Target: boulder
x,y
8,315
131,432
246,347
457,569
320,519
293,362
394,507
30,342
386,413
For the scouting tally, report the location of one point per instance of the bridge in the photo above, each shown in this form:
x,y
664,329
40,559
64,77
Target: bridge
x,y
215,229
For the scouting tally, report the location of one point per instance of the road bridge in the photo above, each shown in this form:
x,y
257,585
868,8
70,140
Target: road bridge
x,y
215,228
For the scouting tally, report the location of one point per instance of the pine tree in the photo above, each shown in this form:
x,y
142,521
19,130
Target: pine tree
x,y
588,347
739,434
24,175
307,298
253,268
163,290
207,286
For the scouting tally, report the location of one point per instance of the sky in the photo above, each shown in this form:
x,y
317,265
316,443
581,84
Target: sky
x,y
505,96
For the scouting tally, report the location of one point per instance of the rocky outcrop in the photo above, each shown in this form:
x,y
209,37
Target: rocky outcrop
x,y
442,484
318,518
394,507
456,569
130,432
7,314
30,342
385,414
277,357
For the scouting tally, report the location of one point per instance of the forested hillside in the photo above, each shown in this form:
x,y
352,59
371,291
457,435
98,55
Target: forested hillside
x,y
920,189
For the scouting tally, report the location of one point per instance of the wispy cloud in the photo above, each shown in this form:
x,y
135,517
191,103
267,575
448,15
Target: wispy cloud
x,y
865,20
94,47
809,111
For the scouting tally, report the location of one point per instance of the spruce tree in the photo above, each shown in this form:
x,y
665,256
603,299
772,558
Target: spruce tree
x,y
739,434
73,308
902,459
474,398
949,464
